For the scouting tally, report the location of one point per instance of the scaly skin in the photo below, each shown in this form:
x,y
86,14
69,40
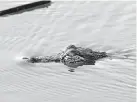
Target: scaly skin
x,y
72,57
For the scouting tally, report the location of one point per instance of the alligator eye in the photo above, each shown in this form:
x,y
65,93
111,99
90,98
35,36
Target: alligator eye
x,y
71,46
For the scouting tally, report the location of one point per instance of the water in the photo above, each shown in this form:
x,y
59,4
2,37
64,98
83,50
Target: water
x,y
102,26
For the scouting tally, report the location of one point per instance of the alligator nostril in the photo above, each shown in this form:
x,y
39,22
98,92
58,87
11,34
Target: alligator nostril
x,y
25,58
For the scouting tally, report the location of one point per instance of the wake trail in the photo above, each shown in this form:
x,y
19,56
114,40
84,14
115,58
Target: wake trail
x,y
128,53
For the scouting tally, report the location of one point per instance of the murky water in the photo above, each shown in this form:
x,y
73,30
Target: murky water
x,y
102,26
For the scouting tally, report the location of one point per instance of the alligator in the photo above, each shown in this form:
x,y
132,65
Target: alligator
x,y
72,57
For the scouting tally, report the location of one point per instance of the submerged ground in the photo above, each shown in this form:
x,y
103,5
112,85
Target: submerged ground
x,y
102,26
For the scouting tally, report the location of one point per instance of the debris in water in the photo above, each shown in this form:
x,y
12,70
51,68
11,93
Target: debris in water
x,y
24,8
